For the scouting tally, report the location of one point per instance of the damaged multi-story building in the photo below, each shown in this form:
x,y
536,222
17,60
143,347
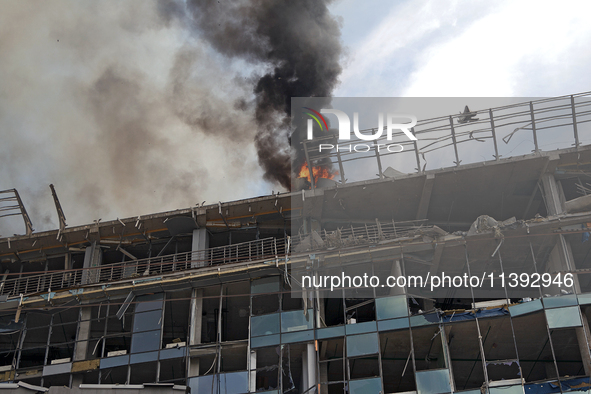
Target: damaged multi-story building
x,y
209,299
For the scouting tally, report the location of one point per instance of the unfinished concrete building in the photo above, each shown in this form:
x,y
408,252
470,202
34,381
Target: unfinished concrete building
x,y
210,299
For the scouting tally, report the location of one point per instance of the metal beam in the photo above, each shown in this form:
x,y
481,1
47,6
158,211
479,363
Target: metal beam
x,y
58,207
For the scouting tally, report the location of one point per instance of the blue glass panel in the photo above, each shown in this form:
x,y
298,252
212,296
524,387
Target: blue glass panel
x,y
525,307
297,321
563,317
201,384
517,389
228,383
143,357
147,321
166,354
149,302
433,382
394,324
358,345
584,299
365,386
116,361
560,301
57,369
330,332
234,382
361,328
391,307
264,325
145,341
267,340
298,336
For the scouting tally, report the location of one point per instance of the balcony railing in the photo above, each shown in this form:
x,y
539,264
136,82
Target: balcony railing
x,y
64,279
363,235
450,141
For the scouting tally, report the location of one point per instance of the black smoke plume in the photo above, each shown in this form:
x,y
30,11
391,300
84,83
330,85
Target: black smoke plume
x,y
298,41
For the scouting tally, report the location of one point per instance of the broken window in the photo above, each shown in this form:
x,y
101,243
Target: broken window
x,y
360,310
364,367
143,373
263,304
233,357
60,380
397,361
533,345
9,336
176,318
331,362
236,309
63,336
35,340
118,338
334,311
295,367
210,314
568,354
466,358
114,375
499,344
172,371
97,331
265,368
429,347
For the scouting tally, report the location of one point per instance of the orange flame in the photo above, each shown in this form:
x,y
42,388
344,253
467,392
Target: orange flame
x,y
317,171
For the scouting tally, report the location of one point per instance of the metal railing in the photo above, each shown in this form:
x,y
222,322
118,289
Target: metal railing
x,y
362,235
161,265
447,141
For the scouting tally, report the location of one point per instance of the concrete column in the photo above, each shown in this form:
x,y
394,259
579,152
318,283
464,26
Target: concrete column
x,y
83,334
67,267
553,195
93,257
253,372
396,272
447,356
311,365
321,310
196,318
561,259
200,243
304,379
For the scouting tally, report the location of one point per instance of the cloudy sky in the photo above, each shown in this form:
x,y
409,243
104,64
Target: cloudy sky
x,y
132,107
